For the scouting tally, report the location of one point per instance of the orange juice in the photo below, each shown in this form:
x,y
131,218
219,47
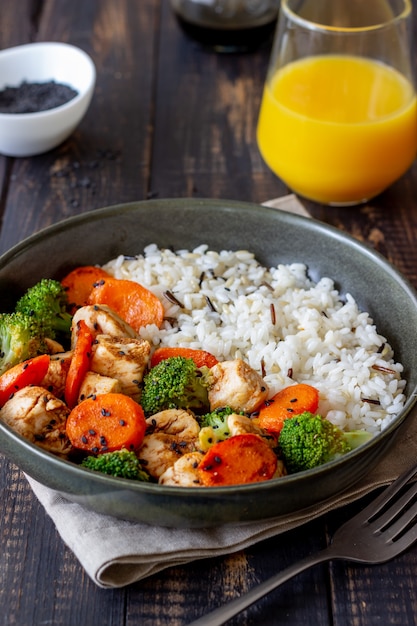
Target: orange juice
x,y
338,129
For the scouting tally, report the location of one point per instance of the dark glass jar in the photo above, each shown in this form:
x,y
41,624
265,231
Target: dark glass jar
x,y
228,25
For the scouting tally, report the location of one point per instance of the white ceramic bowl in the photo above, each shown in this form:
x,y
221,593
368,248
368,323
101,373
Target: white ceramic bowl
x,y
28,134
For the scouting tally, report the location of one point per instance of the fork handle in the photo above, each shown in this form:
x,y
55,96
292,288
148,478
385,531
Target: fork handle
x,y
223,613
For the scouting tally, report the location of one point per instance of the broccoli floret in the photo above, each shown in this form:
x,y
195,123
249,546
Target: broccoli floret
x,y
175,382
309,440
122,463
47,302
20,339
214,427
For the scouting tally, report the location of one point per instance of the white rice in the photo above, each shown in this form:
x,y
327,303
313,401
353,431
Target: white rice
x,y
285,326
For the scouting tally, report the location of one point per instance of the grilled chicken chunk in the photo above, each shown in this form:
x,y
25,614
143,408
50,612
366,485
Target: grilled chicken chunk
x,y
122,358
53,346
96,384
159,451
184,472
170,435
236,384
54,380
38,415
177,422
100,319
240,425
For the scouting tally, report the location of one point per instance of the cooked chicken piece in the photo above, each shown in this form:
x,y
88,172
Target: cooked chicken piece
x,y
281,470
95,384
53,346
40,417
236,384
184,472
100,319
174,422
54,380
159,451
240,425
122,358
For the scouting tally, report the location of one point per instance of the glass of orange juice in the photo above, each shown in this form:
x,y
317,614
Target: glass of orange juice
x,y
338,118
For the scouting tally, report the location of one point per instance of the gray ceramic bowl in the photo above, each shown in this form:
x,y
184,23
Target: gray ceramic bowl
x,y
274,237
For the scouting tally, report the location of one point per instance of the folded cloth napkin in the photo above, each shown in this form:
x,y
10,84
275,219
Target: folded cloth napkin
x,y
115,553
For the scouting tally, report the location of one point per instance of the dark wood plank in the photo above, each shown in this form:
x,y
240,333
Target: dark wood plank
x,y
42,582
19,25
198,587
107,159
371,596
205,122
171,119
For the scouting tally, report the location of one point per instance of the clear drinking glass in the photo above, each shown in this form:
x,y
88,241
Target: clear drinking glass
x,y
338,118
228,25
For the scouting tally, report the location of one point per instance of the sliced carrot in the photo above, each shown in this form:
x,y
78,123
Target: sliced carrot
x,y
79,283
288,402
134,303
108,422
237,460
80,363
200,357
30,372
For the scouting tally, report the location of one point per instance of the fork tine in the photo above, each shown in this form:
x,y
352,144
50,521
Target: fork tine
x,y
405,541
400,525
386,496
394,510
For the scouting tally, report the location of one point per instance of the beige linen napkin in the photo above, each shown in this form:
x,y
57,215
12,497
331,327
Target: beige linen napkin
x,y
115,553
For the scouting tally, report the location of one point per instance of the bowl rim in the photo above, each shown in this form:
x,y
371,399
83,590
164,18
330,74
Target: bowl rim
x,y
81,95
154,488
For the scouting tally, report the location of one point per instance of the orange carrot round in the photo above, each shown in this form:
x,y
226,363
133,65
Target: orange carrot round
x,y
79,283
30,372
80,363
200,357
238,460
108,422
288,402
134,303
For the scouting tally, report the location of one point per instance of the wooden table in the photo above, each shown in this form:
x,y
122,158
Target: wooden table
x,y
169,119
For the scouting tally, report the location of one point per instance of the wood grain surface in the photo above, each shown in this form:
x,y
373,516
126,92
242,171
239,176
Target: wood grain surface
x,y
170,119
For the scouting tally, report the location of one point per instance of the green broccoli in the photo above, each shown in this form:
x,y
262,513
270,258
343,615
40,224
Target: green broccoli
x,y
175,382
122,463
214,427
20,339
309,440
47,302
